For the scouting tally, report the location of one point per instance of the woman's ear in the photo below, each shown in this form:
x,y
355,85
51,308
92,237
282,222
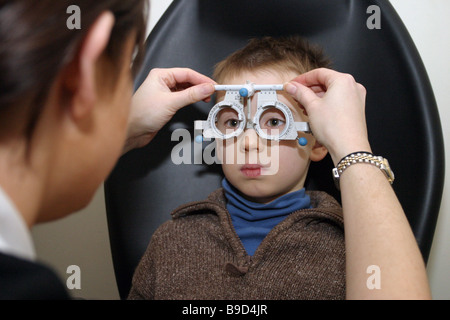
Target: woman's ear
x,y
318,152
80,76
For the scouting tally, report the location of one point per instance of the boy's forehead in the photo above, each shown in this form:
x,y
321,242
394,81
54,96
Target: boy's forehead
x,y
260,76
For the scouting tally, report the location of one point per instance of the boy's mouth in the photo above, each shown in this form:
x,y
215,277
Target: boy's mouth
x,y
251,170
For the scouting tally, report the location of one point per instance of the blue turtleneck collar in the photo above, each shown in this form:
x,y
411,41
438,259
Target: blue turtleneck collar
x,y
253,221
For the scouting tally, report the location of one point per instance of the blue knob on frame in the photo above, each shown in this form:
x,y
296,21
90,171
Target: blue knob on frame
x,y
199,139
302,141
243,92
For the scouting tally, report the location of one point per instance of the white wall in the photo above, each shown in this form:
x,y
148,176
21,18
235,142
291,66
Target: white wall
x,y
82,239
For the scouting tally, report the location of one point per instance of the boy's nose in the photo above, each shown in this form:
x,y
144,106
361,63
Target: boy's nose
x,y
250,141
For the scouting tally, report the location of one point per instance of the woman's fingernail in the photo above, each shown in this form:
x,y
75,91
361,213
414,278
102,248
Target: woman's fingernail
x,y
207,89
290,88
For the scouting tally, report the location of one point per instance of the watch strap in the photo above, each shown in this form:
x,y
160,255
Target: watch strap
x,y
362,157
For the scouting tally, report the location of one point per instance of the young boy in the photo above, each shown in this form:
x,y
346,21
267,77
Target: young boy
x,y
260,236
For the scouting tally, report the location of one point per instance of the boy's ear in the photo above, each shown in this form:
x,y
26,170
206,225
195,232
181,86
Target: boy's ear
x,y
318,152
80,75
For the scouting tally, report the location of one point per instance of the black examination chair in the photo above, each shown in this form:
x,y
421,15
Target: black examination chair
x,y
402,115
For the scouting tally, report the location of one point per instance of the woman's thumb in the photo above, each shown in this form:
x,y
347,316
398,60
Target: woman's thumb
x,y
195,93
301,93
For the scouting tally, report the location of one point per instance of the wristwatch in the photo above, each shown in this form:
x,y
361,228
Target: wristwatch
x,y
363,157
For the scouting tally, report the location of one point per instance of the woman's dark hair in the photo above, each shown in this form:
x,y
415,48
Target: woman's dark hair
x,y
36,43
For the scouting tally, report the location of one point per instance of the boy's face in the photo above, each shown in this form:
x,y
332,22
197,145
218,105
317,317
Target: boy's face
x,y
266,169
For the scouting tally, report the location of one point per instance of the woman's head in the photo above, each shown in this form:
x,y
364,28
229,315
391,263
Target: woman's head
x,y
37,45
65,94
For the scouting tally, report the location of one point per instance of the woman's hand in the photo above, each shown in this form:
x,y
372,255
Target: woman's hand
x,y
335,104
160,96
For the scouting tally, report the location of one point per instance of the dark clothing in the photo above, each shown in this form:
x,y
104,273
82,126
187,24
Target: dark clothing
x,y
22,279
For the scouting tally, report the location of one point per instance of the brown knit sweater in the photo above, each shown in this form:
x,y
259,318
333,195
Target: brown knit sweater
x,y
198,255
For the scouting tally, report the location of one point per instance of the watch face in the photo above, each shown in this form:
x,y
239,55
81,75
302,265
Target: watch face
x,y
388,170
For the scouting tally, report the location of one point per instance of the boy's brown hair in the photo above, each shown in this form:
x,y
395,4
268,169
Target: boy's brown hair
x,y
292,53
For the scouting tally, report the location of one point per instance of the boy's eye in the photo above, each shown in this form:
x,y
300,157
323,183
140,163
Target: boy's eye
x,y
274,122
232,123
227,119
272,119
